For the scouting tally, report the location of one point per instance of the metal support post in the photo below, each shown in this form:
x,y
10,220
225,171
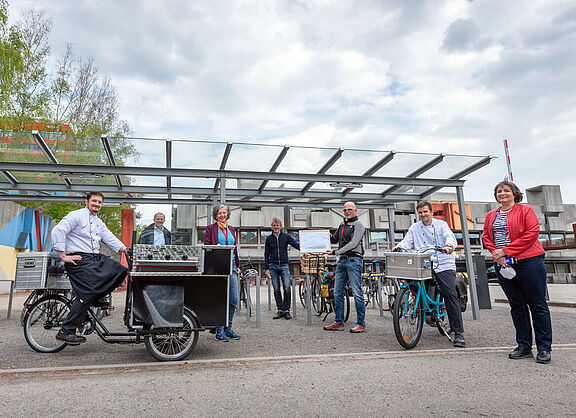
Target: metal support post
x,y
293,284
269,283
257,301
380,296
309,299
468,253
10,299
222,190
248,301
391,232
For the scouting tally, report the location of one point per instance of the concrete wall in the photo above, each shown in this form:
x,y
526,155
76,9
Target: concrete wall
x,y
8,211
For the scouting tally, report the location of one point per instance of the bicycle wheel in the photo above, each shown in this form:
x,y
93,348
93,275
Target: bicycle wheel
x,y
318,303
390,289
241,294
367,292
332,304
302,292
43,321
408,318
30,300
346,306
174,346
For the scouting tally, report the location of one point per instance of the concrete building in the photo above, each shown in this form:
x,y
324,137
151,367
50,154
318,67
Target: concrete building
x,y
557,226
557,229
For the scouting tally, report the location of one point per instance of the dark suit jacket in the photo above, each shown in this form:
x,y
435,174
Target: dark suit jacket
x,y
147,236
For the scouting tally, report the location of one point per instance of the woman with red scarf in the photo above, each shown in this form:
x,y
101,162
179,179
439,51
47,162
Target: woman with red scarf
x,y
220,233
511,231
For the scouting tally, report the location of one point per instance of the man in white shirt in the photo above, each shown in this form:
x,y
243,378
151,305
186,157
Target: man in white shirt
x,y
430,232
76,240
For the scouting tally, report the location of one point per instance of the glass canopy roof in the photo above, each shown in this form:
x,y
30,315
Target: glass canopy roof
x,y
62,167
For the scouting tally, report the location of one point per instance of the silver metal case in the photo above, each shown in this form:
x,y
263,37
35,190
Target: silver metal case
x,y
410,266
40,270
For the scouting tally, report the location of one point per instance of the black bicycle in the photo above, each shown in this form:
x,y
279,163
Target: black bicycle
x,y
322,281
248,273
388,290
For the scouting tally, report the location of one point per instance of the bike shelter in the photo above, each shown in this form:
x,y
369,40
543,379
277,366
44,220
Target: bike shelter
x,y
56,166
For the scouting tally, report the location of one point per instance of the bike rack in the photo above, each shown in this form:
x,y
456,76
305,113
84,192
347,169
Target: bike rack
x,y
379,296
293,284
309,299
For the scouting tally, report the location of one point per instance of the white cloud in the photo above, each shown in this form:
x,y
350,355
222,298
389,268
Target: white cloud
x,y
451,76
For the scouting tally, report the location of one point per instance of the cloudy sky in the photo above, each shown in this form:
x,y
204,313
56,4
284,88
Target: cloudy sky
x,y
450,76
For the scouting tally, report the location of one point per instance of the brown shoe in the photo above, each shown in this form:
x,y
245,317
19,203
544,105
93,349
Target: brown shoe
x,y
334,327
357,329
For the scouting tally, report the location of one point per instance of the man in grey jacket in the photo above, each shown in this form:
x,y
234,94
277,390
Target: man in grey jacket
x,y
350,254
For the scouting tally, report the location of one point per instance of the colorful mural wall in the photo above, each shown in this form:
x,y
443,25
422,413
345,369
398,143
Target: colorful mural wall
x,y
27,231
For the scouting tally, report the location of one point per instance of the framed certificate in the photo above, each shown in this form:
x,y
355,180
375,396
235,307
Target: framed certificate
x,y
314,241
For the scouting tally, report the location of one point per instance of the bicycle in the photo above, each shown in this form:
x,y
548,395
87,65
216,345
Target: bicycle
x,y
419,301
248,273
322,281
389,287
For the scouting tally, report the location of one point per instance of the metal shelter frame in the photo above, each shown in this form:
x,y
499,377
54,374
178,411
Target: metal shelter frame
x,y
35,168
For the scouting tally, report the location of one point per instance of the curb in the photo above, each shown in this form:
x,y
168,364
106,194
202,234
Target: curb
x,y
550,303
247,361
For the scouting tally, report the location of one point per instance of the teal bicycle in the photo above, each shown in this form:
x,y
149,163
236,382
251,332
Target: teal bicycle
x,y
419,300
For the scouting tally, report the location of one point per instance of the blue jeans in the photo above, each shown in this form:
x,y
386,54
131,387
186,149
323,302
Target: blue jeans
x,y
233,301
349,270
278,271
526,293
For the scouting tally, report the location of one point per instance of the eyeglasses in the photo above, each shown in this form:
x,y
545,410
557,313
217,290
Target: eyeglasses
x,y
347,209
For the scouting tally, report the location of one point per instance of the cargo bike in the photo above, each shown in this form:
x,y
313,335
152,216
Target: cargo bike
x,y
173,292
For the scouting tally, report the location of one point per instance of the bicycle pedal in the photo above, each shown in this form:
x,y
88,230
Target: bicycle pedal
x,y
85,327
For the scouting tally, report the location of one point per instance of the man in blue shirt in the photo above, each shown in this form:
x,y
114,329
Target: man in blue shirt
x,y
430,232
276,266
156,233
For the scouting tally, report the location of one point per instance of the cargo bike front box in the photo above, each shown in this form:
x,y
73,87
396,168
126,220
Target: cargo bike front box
x,y
167,278
408,266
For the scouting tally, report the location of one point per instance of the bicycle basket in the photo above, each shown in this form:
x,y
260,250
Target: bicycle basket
x,y
310,265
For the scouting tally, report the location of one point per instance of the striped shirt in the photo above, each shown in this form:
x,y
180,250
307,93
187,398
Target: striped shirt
x,y
500,228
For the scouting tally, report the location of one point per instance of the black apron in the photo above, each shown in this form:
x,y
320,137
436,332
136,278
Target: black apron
x,y
95,275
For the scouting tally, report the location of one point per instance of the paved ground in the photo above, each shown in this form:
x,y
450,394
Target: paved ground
x,y
288,368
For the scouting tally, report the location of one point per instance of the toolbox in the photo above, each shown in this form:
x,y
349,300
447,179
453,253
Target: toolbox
x,y
40,270
410,266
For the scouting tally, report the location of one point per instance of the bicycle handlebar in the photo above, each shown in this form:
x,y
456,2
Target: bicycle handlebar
x,y
419,251
430,248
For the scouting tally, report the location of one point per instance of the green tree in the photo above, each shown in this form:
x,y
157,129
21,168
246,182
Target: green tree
x,y
111,216
25,54
72,93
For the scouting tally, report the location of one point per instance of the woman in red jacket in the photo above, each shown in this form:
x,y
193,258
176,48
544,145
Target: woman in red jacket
x,y
512,230
220,233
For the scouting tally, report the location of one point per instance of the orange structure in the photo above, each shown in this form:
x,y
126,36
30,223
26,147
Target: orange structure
x,y
127,217
450,213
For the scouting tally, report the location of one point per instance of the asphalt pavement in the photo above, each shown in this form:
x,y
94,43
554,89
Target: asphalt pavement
x,y
287,368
